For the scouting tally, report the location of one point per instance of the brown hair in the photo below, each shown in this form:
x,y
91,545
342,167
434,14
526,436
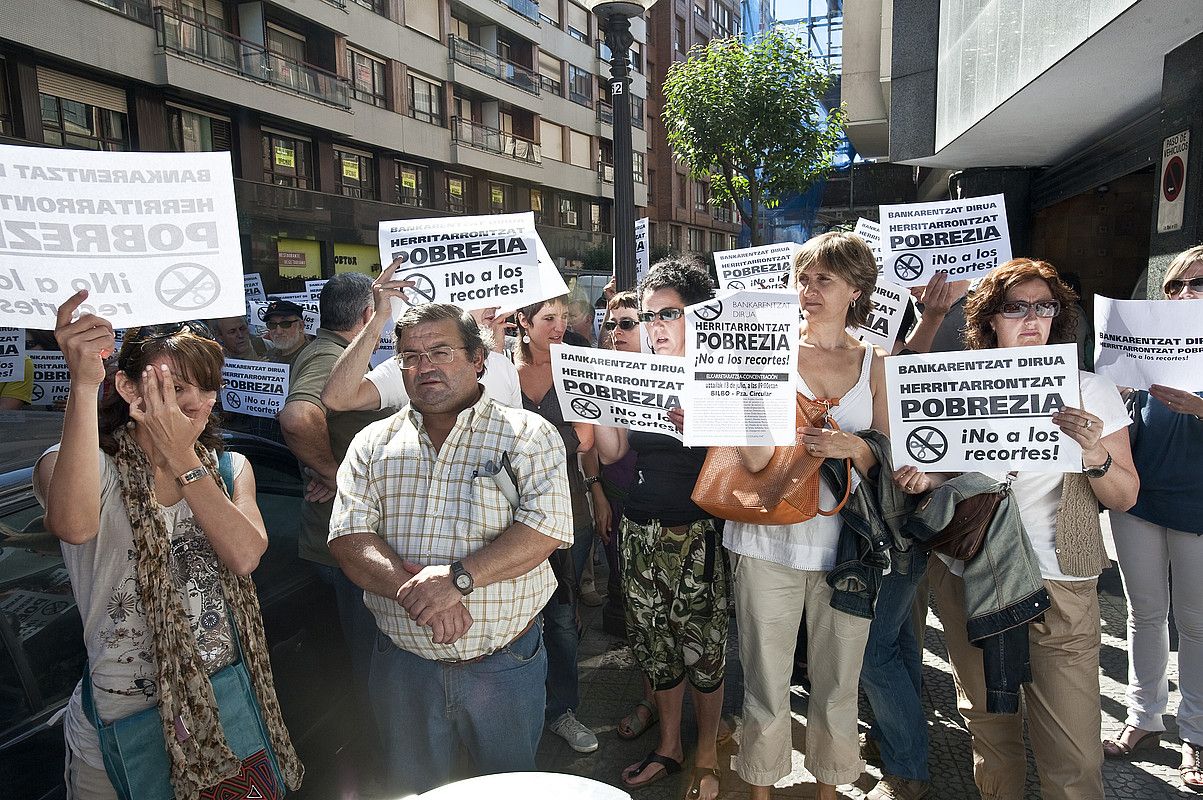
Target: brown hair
x,y
197,360
529,312
623,300
991,293
1180,264
848,256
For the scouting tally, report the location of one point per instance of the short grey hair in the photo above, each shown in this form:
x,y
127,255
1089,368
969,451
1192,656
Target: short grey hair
x,y
343,300
476,341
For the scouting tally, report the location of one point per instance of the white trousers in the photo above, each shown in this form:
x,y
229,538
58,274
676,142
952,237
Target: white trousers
x,y
1147,554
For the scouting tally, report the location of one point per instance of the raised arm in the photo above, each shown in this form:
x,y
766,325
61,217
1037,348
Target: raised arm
x,y
611,443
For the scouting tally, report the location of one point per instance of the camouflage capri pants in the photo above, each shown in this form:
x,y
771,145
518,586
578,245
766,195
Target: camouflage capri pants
x,y
674,581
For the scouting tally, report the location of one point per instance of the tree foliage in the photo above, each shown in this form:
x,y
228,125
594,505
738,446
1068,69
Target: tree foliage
x,y
749,118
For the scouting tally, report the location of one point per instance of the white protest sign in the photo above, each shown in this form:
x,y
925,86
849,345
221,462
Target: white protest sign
x,y
766,267
252,286
741,350
471,262
870,231
254,388
309,307
314,288
643,252
965,238
599,316
1175,152
984,410
623,390
12,354
889,306
153,237
386,348
51,378
1142,342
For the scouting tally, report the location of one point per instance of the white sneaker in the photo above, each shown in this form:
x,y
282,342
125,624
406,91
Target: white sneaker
x,y
570,729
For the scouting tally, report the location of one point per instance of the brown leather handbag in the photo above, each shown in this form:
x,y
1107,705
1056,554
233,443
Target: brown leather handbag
x,y
785,492
964,535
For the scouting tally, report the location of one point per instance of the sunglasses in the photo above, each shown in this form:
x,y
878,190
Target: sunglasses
x,y
281,323
1018,309
664,315
140,335
625,324
1176,286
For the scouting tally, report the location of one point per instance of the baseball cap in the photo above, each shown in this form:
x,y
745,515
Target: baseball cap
x,y
282,308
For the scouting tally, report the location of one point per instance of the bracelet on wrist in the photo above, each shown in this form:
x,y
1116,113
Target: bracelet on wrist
x,y
592,481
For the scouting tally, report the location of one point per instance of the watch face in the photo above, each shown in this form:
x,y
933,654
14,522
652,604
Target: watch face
x,y
463,581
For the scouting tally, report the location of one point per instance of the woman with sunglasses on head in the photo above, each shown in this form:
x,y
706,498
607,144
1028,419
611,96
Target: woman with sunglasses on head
x,y
540,326
1164,531
674,572
159,554
1023,303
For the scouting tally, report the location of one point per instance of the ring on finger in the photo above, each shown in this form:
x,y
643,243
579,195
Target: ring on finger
x,y
1089,422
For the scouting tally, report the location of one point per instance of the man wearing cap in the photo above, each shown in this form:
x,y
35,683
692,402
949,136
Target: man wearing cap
x,y
285,322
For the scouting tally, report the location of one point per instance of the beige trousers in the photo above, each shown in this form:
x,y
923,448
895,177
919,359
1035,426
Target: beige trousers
x,y
769,599
1062,702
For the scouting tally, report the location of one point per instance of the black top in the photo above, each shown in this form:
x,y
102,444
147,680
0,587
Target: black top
x,y
549,409
665,472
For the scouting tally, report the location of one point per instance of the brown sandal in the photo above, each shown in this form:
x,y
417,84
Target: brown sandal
x,y
1191,770
695,782
1115,748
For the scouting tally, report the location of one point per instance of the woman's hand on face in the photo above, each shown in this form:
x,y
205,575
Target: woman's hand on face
x,y
1178,400
85,343
1080,425
172,432
828,443
912,481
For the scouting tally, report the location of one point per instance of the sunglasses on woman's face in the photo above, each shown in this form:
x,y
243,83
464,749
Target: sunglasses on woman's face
x,y
1018,309
1176,286
664,315
625,324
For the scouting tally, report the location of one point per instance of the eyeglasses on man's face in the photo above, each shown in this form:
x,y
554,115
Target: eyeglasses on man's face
x,y
625,324
439,355
1176,286
1019,309
281,323
664,315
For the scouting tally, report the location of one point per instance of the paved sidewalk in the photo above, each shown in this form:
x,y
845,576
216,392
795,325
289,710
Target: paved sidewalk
x,y
610,686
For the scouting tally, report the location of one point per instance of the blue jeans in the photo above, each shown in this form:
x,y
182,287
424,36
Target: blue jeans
x,y
891,676
561,639
358,624
427,711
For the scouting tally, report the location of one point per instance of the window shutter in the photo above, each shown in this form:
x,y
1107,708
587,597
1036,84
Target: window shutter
x,y
81,90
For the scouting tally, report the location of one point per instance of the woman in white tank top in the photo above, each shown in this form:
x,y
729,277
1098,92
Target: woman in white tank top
x,y
782,569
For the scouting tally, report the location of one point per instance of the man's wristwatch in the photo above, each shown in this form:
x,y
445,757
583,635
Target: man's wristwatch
x,y
1099,471
462,578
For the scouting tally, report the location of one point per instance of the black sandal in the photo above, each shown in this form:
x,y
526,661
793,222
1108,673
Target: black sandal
x,y
1115,748
671,767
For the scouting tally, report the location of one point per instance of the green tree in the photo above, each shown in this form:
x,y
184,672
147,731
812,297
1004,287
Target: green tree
x,y
748,117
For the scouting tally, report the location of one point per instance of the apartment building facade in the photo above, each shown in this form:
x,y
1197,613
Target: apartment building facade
x,y
338,113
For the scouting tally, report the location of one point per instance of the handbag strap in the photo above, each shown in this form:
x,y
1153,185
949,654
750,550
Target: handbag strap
x,y
847,477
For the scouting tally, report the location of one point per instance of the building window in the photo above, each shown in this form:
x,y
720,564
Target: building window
x,y
651,186
720,17
355,174
459,193
570,212
70,123
636,56
695,240
425,100
580,86
193,132
716,242
536,205
681,184
679,35
287,161
550,77
637,111
699,11
637,166
6,118
376,6
578,23
699,197
413,185
599,218
674,237
367,78
501,198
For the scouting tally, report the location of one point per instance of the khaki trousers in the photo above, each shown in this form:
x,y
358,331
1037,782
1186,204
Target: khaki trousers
x,y
1062,702
769,600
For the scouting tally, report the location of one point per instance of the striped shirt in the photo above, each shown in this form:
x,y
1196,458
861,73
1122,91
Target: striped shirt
x,y
429,508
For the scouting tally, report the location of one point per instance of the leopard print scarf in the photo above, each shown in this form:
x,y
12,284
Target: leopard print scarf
x,y
186,703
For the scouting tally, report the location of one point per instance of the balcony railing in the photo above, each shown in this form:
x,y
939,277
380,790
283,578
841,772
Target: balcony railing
x,y
526,8
465,131
476,57
605,112
551,85
338,3
134,9
605,172
580,98
224,50
375,6
722,213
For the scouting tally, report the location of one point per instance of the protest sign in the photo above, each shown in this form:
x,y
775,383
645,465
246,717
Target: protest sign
x,y
766,267
471,262
51,378
254,388
984,410
965,238
741,350
314,289
889,305
625,390
870,231
599,316
386,348
12,354
1142,342
153,237
312,317
252,286
643,253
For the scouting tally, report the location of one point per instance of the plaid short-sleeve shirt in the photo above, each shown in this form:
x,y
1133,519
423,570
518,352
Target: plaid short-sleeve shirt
x,y
436,507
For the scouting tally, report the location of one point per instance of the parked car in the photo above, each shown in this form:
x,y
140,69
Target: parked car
x,y
42,652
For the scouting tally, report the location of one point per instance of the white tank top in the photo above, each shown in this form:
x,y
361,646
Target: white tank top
x,y
809,545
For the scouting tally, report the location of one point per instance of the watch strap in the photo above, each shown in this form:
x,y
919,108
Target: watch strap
x,y
1100,470
193,475
457,574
